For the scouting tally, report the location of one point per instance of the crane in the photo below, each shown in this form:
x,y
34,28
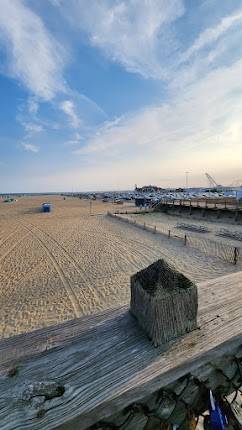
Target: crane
x,y
212,182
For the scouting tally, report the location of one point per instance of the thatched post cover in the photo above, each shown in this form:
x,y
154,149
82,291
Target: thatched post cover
x,y
164,302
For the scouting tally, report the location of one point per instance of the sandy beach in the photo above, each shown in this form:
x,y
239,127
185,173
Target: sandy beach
x,y
213,228
77,261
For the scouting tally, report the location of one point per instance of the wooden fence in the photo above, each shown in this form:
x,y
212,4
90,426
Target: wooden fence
x,y
227,253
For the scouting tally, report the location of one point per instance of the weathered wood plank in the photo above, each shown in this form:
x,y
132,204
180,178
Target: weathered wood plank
x,y
105,362
41,340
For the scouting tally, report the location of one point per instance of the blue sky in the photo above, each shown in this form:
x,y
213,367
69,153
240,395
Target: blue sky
x,y
105,94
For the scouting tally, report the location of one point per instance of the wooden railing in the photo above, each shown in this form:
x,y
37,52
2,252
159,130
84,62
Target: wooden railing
x,y
203,203
96,368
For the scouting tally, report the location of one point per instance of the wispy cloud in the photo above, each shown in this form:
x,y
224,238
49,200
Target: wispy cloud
x,y
32,128
33,56
142,37
30,147
68,108
133,33
29,120
195,118
198,126
211,35
211,49
33,106
75,140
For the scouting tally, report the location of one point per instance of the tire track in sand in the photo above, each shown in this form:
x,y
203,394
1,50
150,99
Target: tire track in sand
x,y
2,241
85,279
13,247
86,299
124,250
67,286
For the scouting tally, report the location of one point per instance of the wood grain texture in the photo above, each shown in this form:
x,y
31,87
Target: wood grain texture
x,y
178,404
75,374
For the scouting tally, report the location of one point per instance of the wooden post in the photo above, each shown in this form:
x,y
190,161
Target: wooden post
x,y
185,239
236,254
169,234
164,302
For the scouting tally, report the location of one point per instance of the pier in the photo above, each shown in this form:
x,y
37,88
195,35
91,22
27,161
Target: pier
x,y
219,204
215,207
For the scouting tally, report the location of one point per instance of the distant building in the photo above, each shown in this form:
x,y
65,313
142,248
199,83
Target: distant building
x,y
148,189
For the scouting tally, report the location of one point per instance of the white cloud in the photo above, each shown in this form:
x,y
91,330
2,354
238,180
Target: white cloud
x,y
143,38
77,136
212,34
33,128
68,108
33,55
133,33
33,106
199,129
75,140
30,147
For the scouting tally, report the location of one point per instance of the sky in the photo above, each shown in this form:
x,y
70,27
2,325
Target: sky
x,y
106,94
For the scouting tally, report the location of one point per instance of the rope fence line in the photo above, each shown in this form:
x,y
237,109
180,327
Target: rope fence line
x,y
227,253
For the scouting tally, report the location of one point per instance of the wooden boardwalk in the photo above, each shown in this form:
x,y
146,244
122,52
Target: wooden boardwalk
x,y
214,205
72,375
